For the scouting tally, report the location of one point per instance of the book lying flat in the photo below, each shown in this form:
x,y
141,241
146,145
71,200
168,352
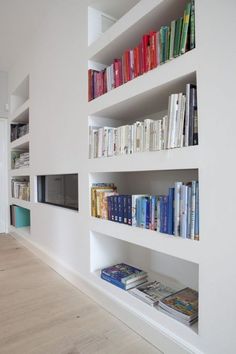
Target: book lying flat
x,y
152,292
182,305
124,273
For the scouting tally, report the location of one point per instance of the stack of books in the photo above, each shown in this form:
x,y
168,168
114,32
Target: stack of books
x,y
20,189
182,305
155,48
20,159
19,130
124,276
176,213
152,292
176,129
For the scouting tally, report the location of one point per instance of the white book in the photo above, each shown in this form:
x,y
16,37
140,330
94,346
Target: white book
x,y
174,115
178,121
164,137
131,144
147,134
110,151
100,142
139,136
180,139
187,115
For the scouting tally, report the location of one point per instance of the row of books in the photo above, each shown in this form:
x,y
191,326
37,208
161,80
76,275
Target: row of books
x,y
19,130
155,48
20,159
179,304
20,189
177,129
174,214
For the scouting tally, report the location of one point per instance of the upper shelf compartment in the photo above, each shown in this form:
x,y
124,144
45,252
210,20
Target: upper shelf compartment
x,y
127,31
147,93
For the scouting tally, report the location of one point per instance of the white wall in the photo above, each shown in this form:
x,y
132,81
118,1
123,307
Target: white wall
x,y
3,94
57,65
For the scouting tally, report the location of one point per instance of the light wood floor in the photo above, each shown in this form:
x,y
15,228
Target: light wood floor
x,y
41,313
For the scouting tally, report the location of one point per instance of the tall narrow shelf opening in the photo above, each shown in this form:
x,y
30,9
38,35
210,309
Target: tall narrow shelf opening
x,y
20,95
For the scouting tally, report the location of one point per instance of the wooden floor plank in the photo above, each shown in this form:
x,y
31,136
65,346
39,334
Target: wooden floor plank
x,y
41,313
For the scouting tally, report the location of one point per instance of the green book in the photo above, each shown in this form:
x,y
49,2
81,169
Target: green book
x,y
172,39
162,44
184,35
167,36
192,25
178,30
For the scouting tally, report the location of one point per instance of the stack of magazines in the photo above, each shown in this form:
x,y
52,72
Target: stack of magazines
x,y
182,305
152,292
124,276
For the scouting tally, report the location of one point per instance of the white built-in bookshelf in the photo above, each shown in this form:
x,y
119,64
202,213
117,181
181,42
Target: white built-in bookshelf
x,y
173,260
19,115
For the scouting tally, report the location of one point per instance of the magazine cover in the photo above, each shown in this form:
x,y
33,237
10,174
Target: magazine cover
x,y
123,272
183,303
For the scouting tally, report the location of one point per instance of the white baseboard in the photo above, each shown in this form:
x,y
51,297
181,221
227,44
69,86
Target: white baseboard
x,y
156,336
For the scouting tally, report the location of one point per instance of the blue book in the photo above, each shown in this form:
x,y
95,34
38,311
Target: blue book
x,y
189,208
123,273
163,213
153,212
183,210
113,281
129,209
170,226
143,212
193,209
115,206
138,211
109,210
196,229
120,201
125,205
148,216
165,221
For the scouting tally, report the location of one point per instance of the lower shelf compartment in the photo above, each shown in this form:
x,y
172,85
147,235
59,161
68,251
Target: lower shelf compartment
x,y
173,272
154,316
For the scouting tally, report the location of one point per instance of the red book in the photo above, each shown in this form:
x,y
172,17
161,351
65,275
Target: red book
x,y
90,84
145,45
105,81
153,49
131,59
127,65
117,72
141,64
123,69
120,72
136,62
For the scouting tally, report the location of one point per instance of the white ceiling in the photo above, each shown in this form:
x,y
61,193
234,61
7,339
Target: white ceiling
x,y
19,20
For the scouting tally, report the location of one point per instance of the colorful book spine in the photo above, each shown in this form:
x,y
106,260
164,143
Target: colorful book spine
x,y
192,25
170,227
129,209
196,229
185,29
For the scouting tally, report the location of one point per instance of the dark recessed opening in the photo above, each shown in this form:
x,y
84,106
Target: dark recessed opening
x,y
59,190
